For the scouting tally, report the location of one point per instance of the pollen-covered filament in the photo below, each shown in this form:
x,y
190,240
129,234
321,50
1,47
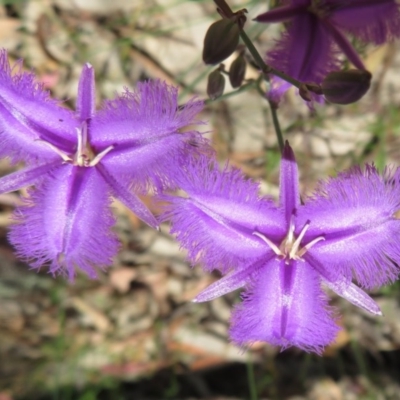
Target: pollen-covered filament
x,y
290,248
84,156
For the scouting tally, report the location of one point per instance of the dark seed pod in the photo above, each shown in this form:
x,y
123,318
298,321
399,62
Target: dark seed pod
x,y
345,87
304,92
237,71
221,41
215,84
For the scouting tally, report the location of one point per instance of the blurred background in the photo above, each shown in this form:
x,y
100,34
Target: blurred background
x,y
134,333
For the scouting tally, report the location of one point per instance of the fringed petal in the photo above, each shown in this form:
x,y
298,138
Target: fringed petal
x,y
146,128
217,220
66,223
27,114
375,21
355,213
305,51
285,306
214,241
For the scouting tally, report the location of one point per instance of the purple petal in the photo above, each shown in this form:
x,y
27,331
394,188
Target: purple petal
x,y
305,51
344,45
128,198
66,223
289,197
355,295
344,287
149,126
26,177
229,283
355,214
217,220
27,114
278,87
285,307
86,100
374,21
280,14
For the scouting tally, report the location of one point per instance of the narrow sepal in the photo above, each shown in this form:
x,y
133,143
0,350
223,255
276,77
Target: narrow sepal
x,y
66,224
26,177
289,196
355,295
343,286
86,99
27,114
233,281
128,198
344,45
355,213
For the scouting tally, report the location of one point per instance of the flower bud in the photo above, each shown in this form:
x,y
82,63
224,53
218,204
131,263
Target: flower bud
x,y
345,87
221,41
237,71
215,84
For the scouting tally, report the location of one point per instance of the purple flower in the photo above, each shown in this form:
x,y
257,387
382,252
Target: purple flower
x,y
282,254
308,50
78,160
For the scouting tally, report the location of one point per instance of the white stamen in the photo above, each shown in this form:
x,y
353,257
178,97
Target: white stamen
x,y
99,156
63,155
84,153
272,245
296,244
81,156
308,246
289,248
79,150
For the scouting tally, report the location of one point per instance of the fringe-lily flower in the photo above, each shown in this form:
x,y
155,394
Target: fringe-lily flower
x,y
347,230
307,50
78,160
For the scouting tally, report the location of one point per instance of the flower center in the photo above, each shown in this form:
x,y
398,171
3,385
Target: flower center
x,y
84,155
290,248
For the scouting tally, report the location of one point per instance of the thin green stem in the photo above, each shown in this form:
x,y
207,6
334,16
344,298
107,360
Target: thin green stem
x,y
277,126
243,88
266,69
251,380
275,121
